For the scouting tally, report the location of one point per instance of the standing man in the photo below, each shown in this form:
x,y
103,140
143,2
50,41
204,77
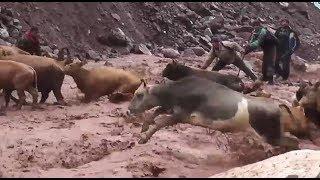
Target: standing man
x,y
227,53
288,44
30,42
268,42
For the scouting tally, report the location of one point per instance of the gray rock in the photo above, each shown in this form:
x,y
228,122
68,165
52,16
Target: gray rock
x,y
188,53
46,49
93,55
207,32
170,53
115,38
4,33
4,43
140,49
199,51
16,22
15,33
116,16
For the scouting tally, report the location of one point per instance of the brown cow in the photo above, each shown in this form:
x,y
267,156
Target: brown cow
x,y
20,77
102,81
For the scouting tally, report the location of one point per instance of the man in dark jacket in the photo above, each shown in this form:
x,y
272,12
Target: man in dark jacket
x,y
30,42
268,42
288,44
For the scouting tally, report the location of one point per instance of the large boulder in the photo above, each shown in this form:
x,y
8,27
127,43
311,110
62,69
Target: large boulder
x,y
299,64
300,163
140,49
199,51
116,37
93,55
4,33
170,53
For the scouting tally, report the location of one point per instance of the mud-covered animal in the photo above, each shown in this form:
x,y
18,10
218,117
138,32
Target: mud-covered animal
x,y
198,101
20,77
117,83
175,71
49,74
308,97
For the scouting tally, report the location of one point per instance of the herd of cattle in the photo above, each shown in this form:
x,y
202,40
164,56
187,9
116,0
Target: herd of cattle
x,y
198,97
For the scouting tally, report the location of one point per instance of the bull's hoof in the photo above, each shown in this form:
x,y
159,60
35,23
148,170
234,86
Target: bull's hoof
x,y
17,107
61,103
37,107
143,139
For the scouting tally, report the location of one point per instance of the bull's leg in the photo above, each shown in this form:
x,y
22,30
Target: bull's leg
x,y
14,99
33,91
22,98
177,117
44,96
59,97
7,94
150,120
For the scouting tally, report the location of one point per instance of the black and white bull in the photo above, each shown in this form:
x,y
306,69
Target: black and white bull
x,y
175,71
201,102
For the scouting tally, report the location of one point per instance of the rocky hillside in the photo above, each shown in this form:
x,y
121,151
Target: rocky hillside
x,y
100,30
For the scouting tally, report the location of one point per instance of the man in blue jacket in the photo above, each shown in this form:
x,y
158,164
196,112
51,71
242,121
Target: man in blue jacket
x,y
288,44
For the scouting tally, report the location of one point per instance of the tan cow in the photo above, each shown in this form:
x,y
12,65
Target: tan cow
x,y
102,81
20,77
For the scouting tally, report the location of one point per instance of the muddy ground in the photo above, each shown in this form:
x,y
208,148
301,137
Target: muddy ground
x,y
94,140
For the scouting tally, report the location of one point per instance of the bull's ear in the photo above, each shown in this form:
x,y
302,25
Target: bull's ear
x,y
174,62
143,81
83,62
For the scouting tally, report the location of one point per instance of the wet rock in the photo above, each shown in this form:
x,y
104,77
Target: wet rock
x,y
116,16
46,49
184,20
7,11
4,43
299,64
244,29
4,33
15,33
115,38
301,163
199,8
170,53
216,24
188,53
207,32
199,51
93,55
140,49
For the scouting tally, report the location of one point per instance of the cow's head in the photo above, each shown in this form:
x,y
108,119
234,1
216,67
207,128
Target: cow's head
x,y
142,100
73,68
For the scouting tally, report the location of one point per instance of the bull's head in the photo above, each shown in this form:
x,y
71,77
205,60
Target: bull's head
x,y
73,68
174,71
142,100
310,96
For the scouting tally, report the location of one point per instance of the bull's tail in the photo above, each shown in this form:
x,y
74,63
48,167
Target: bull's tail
x,y
35,79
